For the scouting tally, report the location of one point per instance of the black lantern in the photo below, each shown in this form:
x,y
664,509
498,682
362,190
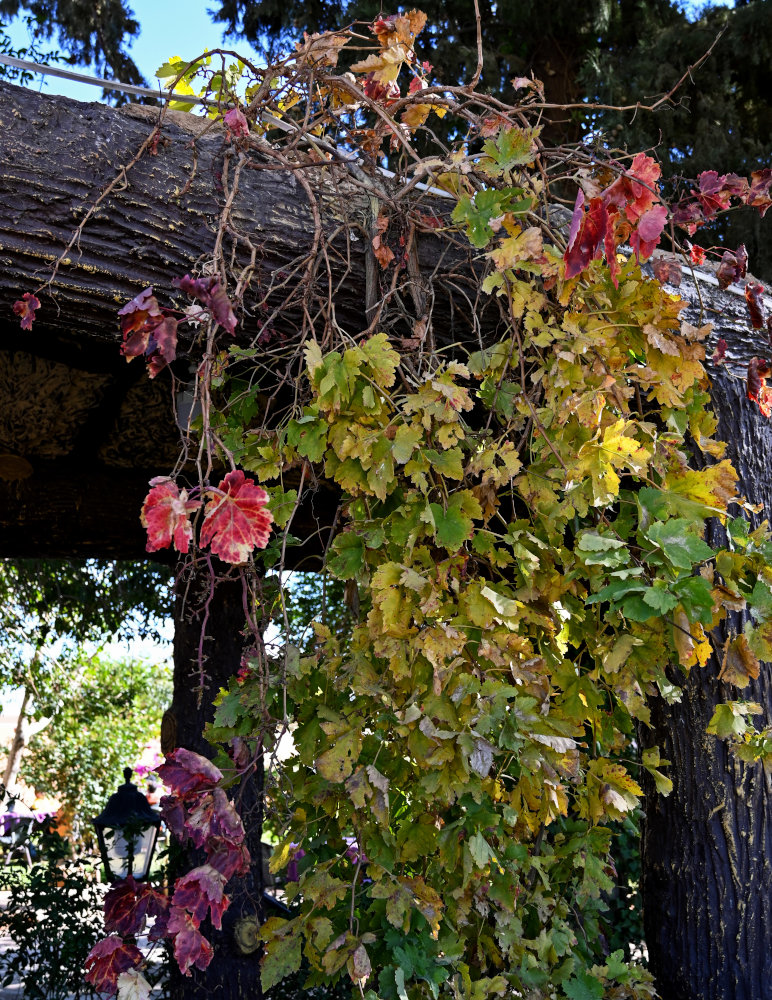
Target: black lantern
x,y
127,829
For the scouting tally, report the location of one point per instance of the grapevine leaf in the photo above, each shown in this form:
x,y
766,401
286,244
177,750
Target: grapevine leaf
x,y
590,231
476,213
677,540
129,903
740,665
214,297
282,955
337,763
236,123
583,986
107,960
309,435
166,515
347,557
513,147
214,816
451,527
186,772
729,718
236,520
202,890
754,298
25,307
191,948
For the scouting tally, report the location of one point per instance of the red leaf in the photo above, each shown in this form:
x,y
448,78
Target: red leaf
x,y
148,329
213,295
202,890
609,245
667,272
166,515
732,267
719,355
587,235
236,122
755,302
185,772
214,816
758,196
696,255
237,520
228,858
173,813
26,307
713,194
129,903
757,389
428,221
645,239
635,191
190,946
107,960
688,215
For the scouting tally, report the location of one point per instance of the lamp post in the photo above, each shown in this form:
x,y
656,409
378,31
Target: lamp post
x,y
127,829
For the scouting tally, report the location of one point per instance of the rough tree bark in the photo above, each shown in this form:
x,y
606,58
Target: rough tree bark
x,y
708,905
208,643
707,880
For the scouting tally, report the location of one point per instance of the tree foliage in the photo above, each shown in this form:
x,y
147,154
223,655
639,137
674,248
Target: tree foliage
x,y
108,712
521,534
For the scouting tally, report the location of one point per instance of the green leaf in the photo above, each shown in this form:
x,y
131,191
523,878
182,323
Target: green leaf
x,y
347,556
602,550
583,986
616,590
476,213
636,609
451,527
281,955
694,592
448,463
337,763
729,719
677,540
480,850
513,147
406,440
309,435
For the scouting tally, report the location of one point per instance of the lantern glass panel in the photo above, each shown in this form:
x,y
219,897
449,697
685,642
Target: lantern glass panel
x,y
129,850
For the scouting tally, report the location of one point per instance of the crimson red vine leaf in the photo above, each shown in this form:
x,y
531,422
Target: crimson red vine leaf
x,y
202,891
589,230
107,960
128,905
719,355
213,815
186,772
25,308
236,122
166,516
237,520
191,948
228,858
757,389
755,302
